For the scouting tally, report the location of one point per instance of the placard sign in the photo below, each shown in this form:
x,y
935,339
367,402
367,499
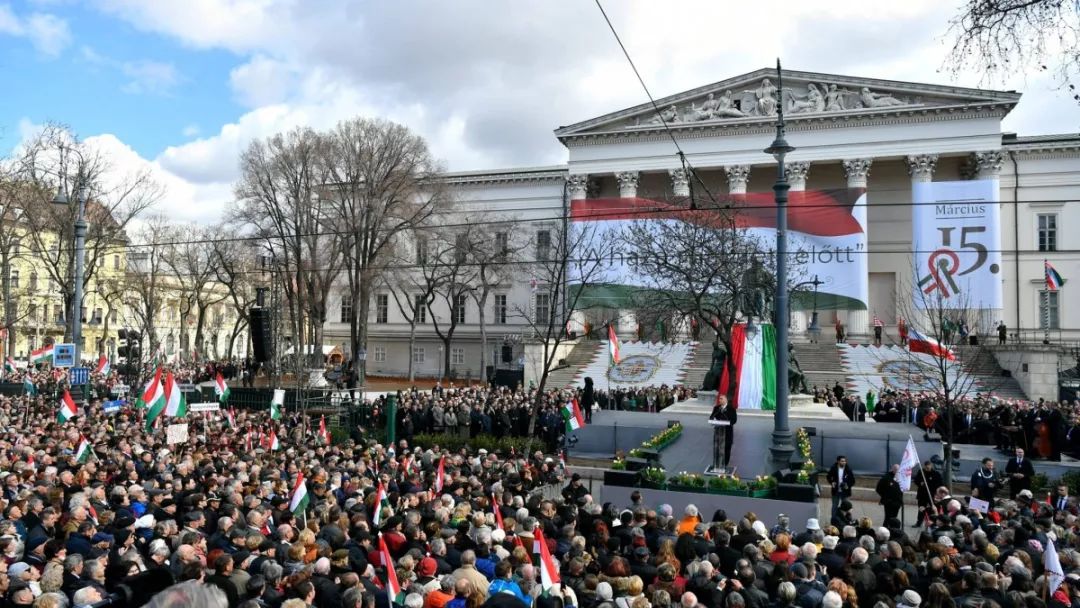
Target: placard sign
x,y
957,236
176,433
64,355
210,406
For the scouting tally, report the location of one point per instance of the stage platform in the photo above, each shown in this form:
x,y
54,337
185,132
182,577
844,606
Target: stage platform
x,y
870,447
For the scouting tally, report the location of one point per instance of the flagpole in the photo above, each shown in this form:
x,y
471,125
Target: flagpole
x,y
1046,305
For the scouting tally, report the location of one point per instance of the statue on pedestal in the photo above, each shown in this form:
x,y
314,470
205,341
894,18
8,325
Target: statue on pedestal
x,y
755,297
716,370
796,377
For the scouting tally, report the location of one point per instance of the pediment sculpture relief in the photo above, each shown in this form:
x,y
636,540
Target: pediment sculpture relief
x,y
764,100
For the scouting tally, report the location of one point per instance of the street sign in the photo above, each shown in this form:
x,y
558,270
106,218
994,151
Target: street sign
x,y
79,375
64,355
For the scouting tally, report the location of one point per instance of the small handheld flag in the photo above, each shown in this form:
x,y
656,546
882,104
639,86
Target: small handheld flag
x,y
549,576
9,365
613,345
221,389
380,499
393,588
324,433
67,408
440,475
276,403
298,501
571,414
83,451
103,366
1053,278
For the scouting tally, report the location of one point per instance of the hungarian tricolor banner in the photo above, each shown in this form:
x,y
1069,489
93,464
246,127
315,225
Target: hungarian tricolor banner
x,y
826,236
754,354
920,343
276,404
175,403
380,500
498,512
393,588
298,501
1053,279
440,474
83,451
549,576
67,409
571,414
103,367
152,392
9,365
41,355
272,442
324,433
221,389
230,417
613,345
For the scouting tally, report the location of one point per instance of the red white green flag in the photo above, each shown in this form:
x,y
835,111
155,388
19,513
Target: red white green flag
x,y
175,403
298,501
380,500
221,389
9,365
324,433
103,366
393,588
42,355
82,453
440,475
67,409
273,441
613,345
549,576
571,414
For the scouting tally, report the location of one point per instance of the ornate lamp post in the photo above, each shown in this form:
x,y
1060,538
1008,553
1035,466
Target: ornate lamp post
x,y
782,445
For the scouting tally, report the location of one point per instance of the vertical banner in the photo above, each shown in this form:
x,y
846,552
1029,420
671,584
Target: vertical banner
x,y
957,235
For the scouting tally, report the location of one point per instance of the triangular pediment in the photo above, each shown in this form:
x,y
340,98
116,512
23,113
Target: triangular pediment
x,y
754,97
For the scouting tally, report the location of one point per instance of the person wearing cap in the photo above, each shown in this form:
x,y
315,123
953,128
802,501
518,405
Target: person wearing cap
x,y
909,599
574,490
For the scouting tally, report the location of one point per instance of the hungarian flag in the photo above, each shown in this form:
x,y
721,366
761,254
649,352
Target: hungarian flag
x,y
82,453
298,500
918,343
498,512
273,442
1053,279
42,355
380,499
67,408
230,417
151,393
754,354
324,433
9,365
440,474
175,403
549,576
102,366
612,345
571,414
221,389
393,588
28,385
276,403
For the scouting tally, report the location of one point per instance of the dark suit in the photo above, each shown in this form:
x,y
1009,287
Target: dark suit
x,y
726,412
841,488
892,497
1022,467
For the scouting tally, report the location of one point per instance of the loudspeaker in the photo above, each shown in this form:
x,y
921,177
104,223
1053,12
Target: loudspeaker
x,y
262,338
507,353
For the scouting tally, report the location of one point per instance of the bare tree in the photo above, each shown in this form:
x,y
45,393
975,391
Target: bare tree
x,y
453,276
1001,37
236,270
413,289
146,277
382,183
495,249
194,268
57,160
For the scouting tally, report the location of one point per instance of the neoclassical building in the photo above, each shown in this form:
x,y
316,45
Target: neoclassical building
x,y
878,139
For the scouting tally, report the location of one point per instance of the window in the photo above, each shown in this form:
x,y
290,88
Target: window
x,y
1047,232
112,317
543,308
419,309
1048,309
97,316
461,247
418,354
382,308
380,354
346,308
457,356
543,245
31,342
16,246
14,279
500,308
116,262
33,281
58,313
460,301
31,312
502,245
421,250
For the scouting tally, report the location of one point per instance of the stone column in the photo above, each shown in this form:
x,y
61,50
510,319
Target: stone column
x,y
578,184
680,181
921,167
628,181
737,178
857,171
987,165
796,174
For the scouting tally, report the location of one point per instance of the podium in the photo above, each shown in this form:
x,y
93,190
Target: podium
x,y
721,430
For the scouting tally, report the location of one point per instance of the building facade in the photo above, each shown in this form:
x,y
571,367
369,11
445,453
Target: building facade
x,y
881,138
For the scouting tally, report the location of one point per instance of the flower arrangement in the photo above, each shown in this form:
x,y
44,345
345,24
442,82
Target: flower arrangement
x,y
802,442
653,475
658,441
618,464
762,482
687,480
727,483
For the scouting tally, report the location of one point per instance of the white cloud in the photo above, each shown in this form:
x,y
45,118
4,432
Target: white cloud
x,y
149,77
191,130
262,81
49,34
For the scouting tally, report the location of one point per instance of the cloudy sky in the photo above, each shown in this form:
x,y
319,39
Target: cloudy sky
x,y
182,87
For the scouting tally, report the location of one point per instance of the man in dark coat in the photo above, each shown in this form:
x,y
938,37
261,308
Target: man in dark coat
x,y
723,411
891,496
1019,471
984,482
841,479
928,481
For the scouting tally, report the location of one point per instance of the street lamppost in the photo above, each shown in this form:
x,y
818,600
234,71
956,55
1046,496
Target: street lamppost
x,y
61,198
782,446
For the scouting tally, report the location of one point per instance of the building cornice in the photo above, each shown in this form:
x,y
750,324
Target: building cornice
x,y
1043,147
552,174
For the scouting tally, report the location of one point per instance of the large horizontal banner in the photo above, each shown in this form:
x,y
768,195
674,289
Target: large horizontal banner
x,y
826,237
957,236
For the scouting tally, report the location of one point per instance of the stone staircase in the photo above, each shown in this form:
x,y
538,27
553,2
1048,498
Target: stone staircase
x,y
698,365
821,363
582,354
981,363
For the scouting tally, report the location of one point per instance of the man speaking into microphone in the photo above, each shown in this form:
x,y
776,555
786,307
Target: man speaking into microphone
x,y
723,411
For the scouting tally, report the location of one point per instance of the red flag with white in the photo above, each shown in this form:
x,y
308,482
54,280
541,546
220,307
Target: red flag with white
x,y
102,366
440,475
273,442
393,588
918,343
909,463
549,576
380,498
498,512
324,433
67,409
